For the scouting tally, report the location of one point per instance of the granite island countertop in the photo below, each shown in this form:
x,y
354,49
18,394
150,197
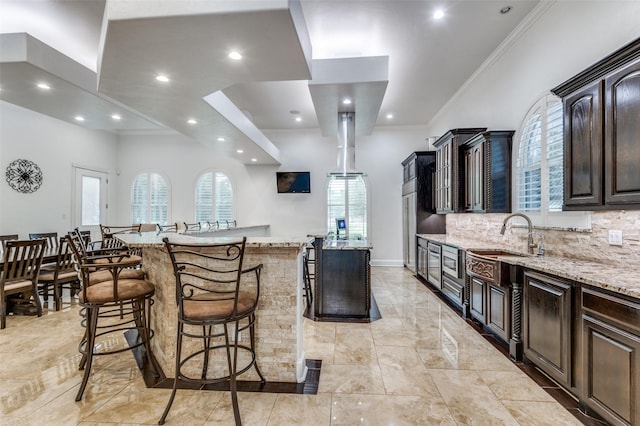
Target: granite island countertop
x,y
149,239
346,245
624,281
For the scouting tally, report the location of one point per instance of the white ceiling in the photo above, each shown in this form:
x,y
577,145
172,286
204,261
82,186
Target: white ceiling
x,y
99,66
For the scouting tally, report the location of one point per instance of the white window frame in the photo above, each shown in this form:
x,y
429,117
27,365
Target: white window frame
x,y
330,221
213,202
544,218
148,218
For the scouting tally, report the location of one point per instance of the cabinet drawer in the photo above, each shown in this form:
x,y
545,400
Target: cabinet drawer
x,y
453,290
614,308
423,243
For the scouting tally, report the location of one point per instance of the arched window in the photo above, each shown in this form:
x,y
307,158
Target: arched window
x,y
214,198
539,166
347,199
149,199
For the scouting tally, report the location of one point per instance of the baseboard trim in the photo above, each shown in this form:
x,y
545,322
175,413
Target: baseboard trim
x,y
387,262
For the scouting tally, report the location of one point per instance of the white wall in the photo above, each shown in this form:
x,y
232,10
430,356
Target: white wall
x,y
562,39
54,146
379,155
182,160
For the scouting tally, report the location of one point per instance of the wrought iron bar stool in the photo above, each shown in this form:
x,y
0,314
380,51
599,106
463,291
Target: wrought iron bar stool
x,y
116,301
217,300
308,275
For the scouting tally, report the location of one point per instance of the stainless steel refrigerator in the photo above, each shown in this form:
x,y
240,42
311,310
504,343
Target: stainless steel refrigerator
x,y
418,206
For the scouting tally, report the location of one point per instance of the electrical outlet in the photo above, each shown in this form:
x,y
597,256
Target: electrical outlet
x,y
615,237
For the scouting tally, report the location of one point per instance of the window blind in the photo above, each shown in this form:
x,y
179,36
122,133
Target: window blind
x,y
555,155
529,165
540,167
214,198
149,199
347,198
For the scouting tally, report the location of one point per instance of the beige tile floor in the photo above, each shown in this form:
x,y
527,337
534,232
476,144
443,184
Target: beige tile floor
x,y
421,364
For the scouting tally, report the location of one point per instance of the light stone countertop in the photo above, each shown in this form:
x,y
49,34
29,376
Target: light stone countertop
x,y
154,239
346,245
624,281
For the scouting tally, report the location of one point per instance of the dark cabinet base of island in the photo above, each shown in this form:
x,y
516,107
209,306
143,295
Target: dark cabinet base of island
x,y
343,282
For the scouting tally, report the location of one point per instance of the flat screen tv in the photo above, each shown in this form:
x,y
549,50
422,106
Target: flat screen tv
x,y
293,182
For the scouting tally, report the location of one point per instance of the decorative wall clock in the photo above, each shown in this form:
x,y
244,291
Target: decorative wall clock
x,y
24,176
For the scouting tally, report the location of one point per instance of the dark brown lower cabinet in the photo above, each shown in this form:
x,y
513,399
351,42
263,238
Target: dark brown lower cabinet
x,y
611,356
491,305
547,325
421,258
477,299
499,311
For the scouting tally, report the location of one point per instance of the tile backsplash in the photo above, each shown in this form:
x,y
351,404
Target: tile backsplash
x,y
592,245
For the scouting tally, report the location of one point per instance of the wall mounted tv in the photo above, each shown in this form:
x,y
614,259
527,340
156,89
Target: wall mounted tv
x,y
293,182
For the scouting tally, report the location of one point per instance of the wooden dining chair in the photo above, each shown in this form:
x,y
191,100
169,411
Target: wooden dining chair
x,y
63,274
51,246
21,266
51,239
4,238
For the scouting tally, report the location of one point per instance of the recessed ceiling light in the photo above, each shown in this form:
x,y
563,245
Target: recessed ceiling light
x,y
192,121
505,9
239,151
44,86
79,118
346,101
162,78
298,118
389,116
116,117
294,112
220,139
438,14
254,159
235,55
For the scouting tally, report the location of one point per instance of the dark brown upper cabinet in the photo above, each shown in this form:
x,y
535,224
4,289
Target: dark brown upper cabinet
x,y
449,184
602,133
622,137
486,161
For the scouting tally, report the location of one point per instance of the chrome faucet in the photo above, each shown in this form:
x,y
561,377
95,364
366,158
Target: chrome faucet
x,y
541,247
530,244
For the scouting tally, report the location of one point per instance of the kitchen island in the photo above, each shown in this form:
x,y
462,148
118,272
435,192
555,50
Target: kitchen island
x,y
342,280
279,341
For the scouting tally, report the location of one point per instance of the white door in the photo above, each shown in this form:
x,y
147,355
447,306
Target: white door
x,y
90,200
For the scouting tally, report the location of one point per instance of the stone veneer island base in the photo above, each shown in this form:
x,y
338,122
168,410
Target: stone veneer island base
x,y
279,340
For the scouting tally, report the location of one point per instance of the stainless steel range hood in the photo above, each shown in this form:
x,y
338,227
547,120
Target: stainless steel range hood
x,y
364,81
346,147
